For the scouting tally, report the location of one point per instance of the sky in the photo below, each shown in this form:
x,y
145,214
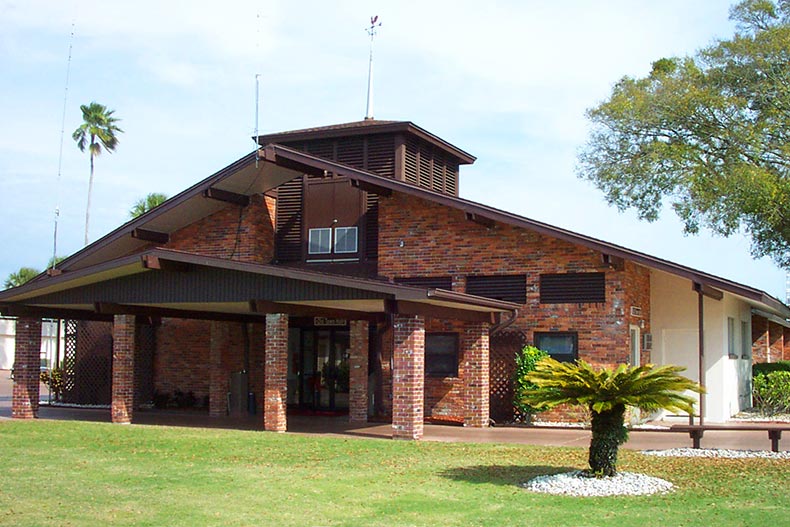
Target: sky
x,y
508,82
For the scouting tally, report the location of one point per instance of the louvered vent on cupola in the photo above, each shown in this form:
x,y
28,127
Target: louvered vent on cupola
x,y
427,167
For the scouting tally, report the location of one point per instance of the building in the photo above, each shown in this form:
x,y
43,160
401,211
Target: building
x,y
338,268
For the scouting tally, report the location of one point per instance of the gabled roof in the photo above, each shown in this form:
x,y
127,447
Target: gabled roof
x,y
366,127
276,164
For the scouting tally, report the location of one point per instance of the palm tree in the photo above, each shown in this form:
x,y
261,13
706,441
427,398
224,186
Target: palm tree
x,y
143,205
98,129
607,393
25,274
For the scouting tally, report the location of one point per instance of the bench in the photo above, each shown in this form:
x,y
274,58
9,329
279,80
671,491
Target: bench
x,y
697,431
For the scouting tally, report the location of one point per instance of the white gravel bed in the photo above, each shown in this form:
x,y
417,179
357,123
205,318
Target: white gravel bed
x,y
717,453
576,484
752,415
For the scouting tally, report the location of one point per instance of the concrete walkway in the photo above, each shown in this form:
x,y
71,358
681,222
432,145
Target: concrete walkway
x,y
340,427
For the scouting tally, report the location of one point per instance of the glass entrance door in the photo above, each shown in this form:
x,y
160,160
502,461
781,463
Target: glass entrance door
x,y
323,369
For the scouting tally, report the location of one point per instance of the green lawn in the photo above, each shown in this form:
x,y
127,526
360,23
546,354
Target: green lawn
x,y
73,473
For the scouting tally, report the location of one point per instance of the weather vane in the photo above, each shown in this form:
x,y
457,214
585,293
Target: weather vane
x,y
372,31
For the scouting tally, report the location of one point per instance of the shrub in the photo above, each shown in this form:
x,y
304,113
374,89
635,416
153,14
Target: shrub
x,y
771,392
525,364
765,368
53,379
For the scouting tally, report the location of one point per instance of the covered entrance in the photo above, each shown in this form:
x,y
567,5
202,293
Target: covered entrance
x,y
319,352
309,339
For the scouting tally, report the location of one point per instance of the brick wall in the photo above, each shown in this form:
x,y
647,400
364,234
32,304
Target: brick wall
x,y
440,241
245,234
776,341
409,376
760,340
276,383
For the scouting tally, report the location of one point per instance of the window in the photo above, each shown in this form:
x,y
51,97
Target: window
x,y
561,345
572,288
510,288
320,241
345,239
441,354
731,338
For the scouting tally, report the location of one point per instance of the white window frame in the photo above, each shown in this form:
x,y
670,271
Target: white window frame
x,y
731,338
319,234
340,231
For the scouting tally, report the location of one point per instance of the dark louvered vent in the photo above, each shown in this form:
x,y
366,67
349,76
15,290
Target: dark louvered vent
x,y
511,288
371,226
424,161
411,171
351,151
322,148
451,178
381,155
428,282
437,174
572,288
288,238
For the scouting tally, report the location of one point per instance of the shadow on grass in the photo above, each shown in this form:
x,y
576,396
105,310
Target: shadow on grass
x,y
502,474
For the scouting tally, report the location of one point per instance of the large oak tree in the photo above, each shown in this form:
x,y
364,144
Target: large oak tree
x,y
710,134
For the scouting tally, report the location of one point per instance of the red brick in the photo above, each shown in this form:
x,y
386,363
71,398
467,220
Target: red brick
x,y
123,334
27,367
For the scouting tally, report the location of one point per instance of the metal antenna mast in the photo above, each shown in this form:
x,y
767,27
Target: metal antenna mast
x,y
372,30
257,144
60,154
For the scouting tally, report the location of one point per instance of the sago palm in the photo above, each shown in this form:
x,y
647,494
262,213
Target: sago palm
x,y
607,393
97,130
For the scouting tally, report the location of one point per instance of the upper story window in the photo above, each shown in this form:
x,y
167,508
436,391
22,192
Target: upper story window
x,y
572,288
340,240
346,240
320,241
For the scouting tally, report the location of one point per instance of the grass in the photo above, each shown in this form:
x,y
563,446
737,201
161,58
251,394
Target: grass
x,y
76,473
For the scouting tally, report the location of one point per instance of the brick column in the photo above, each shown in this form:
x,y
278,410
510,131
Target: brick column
x,y
476,393
123,330
218,379
408,380
275,386
27,367
358,372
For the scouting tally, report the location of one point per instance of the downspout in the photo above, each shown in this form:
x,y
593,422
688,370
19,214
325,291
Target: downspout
x,y
496,328
701,316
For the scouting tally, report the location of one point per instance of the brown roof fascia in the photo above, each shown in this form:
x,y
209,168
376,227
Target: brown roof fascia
x,y
276,152
363,128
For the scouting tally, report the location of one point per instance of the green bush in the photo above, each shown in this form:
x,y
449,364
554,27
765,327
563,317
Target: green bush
x,y
771,392
525,364
764,368
53,379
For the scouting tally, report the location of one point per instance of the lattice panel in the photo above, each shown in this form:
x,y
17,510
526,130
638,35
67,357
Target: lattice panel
x,y
145,346
87,363
504,347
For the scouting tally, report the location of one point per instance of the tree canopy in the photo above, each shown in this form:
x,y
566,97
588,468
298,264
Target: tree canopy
x,y
143,205
17,278
710,134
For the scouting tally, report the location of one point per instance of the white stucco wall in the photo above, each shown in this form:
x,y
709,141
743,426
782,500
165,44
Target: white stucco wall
x,y
674,311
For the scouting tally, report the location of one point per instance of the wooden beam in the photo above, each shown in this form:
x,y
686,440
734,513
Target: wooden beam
x,y
301,310
708,291
52,312
226,196
108,308
151,261
370,187
54,272
405,307
150,236
613,262
482,220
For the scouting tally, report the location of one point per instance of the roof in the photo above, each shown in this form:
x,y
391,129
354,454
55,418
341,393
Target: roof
x,y
366,127
277,164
